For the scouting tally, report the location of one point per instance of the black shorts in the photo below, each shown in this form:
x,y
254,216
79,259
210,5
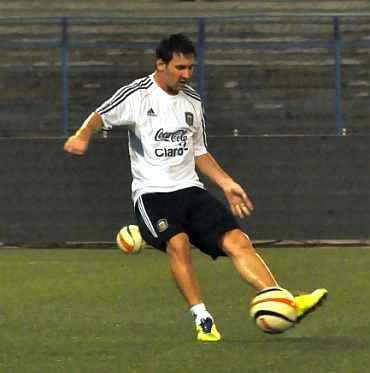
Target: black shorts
x,y
193,211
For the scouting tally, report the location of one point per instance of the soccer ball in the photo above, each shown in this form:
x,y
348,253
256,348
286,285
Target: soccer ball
x,y
129,239
274,310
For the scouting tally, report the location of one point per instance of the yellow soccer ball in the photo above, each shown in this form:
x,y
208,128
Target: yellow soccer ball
x,y
129,239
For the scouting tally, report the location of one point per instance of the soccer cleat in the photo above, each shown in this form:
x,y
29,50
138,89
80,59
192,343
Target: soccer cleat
x,y
307,303
207,331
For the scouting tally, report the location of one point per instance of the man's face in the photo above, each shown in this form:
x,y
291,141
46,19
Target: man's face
x,y
173,76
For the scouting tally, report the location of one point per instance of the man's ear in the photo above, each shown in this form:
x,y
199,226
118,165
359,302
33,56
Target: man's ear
x,y
160,65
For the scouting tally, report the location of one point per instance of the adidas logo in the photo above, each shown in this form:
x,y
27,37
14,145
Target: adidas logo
x,y
151,113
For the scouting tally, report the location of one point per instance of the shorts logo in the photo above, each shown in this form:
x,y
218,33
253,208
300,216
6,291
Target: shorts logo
x,y
162,225
189,118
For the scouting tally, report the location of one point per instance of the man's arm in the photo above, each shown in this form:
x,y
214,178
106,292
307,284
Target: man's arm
x,y
79,142
238,199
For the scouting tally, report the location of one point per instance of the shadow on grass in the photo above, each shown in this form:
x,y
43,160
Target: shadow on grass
x,y
339,343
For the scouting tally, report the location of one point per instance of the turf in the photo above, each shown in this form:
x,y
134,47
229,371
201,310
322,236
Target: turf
x,y
104,311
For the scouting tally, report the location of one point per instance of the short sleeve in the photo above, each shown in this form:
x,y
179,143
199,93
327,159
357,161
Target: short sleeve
x,y
117,110
200,138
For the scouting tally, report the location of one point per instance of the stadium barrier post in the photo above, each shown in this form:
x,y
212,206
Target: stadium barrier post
x,y
200,57
338,78
65,75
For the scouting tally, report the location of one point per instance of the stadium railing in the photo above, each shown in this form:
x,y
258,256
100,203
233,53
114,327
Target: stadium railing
x,y
74,45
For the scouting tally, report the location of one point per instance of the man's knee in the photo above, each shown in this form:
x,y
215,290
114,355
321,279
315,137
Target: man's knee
x,y
179,246
236,243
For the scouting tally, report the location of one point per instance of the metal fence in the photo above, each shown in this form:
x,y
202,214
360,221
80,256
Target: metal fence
x,y
258,74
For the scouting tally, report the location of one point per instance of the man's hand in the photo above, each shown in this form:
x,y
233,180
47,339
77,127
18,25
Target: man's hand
x,y
238,200
79,142
76,145
236,196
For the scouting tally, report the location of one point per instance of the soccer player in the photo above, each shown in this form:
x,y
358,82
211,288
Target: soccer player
x,y
167,143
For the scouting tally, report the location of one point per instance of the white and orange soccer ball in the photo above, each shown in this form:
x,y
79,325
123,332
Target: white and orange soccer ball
x,y
274,310
129,239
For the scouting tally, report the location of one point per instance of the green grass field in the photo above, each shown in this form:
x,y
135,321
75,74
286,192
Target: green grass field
x,y
104,311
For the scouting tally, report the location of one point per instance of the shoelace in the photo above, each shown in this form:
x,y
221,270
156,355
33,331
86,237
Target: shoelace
x,y
206,325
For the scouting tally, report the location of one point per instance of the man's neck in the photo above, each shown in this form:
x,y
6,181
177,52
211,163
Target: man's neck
x,y
164,86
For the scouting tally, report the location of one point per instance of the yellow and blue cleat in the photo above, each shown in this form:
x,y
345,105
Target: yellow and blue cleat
x,y
307,303
207,331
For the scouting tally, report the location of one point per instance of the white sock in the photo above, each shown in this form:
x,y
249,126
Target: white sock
x,y
200,312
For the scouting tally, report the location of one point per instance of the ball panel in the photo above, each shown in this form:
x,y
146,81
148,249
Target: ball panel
x,y
288,302
272,324
123,244
264,325
284,307
274,315
273,293
134,232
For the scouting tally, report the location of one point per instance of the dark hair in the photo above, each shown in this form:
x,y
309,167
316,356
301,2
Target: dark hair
x,y
175,43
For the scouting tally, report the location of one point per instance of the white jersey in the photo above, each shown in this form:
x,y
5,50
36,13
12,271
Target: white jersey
x,y
165,134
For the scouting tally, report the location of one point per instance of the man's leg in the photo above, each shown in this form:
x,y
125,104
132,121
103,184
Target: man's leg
x,y
248,263
179,253
253,269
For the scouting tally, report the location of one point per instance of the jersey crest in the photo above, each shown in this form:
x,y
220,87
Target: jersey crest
x,y
189,118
